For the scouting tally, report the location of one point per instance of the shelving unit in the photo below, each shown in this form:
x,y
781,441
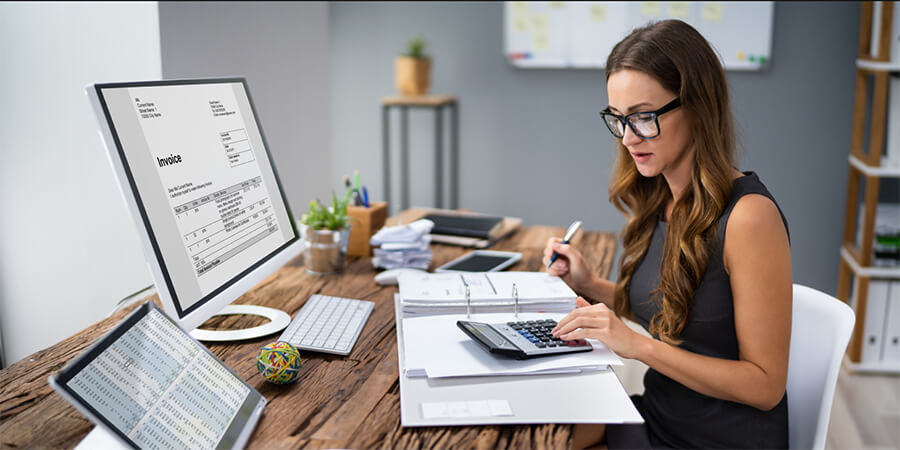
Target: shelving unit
x,y
873,72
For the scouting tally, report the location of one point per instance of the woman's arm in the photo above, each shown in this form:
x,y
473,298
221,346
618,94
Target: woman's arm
x,y
757,258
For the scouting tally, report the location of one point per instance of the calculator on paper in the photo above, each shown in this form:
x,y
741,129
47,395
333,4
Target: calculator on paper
x,y
521,340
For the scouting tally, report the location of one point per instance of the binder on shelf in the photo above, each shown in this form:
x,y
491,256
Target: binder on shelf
x,y
873,332
891,353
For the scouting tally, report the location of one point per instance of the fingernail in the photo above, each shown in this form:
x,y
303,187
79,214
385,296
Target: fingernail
x,y
557,246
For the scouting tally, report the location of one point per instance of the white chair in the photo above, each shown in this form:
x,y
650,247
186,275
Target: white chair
x,y
819,335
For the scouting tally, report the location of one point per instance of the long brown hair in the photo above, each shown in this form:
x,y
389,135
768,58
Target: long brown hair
x,y
682,61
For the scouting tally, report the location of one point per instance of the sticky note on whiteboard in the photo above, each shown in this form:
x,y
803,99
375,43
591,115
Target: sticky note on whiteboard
x,y
520,7
679,10
540,22
520,23
541,41
651,9
712,11
598,13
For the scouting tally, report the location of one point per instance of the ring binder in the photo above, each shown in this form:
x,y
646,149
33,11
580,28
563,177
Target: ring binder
x,y
472,293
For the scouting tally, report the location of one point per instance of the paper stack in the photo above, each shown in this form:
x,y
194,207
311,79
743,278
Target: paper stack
x,y
436,348
445,293
403,246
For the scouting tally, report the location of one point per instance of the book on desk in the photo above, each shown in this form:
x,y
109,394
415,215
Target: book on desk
x,y
465,228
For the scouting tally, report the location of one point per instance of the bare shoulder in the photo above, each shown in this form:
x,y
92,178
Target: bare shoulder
x,y
755,224
752,214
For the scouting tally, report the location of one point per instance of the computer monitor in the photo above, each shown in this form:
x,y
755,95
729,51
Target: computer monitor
x,y
195,171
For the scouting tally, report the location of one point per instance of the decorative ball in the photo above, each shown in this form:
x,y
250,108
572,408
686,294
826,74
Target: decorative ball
x,y
278,362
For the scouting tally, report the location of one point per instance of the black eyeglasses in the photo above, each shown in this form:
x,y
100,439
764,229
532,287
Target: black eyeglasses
x,y
644,124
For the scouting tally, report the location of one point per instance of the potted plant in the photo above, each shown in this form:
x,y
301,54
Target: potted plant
x,y
326,231
412,71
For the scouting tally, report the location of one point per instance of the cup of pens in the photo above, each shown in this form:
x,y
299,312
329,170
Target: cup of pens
x,y
367,218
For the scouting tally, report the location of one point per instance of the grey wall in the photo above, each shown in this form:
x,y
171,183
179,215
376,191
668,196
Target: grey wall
x,y
532,144
282,50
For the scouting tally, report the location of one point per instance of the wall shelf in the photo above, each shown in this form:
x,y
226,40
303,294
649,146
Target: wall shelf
x,y
869,272
883,171
873,70
878,66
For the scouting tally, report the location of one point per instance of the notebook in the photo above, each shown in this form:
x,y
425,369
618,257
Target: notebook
x,y
478,226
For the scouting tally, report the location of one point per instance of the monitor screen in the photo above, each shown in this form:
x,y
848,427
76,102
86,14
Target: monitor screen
x,y
194,166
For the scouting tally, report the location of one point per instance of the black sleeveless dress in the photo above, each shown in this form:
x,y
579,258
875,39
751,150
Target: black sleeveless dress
x,y
676,416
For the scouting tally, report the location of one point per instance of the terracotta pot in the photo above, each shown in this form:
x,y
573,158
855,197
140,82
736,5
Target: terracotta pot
x,y
412,75
325,250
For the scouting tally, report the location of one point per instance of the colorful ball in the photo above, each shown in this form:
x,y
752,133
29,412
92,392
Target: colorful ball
x,y
278,362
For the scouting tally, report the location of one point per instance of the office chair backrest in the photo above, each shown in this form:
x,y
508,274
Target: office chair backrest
x,y
820,331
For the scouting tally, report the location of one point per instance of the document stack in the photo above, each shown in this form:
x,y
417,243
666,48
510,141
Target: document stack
x,y
403,246
448,378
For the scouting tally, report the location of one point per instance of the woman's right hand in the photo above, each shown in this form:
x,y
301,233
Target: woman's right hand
x,y
570,266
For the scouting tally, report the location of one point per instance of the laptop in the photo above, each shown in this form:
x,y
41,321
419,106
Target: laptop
x,y
149,384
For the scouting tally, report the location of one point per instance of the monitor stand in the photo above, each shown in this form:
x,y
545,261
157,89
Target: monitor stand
x,y
279,320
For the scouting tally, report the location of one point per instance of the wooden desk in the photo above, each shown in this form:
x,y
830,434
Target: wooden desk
x,y
343,402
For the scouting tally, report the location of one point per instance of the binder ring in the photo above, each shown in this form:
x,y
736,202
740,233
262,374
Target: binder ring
x,y
515,294
468,303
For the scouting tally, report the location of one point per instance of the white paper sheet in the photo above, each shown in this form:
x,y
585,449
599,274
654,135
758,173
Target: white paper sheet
x,y
435,347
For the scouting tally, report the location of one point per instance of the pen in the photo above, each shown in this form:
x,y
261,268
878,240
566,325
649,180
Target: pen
x,y
365,197
569,234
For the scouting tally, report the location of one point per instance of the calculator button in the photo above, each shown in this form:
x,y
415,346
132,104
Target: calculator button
x,y
539,344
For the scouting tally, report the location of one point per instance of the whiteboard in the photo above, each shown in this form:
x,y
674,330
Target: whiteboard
x,y
581,34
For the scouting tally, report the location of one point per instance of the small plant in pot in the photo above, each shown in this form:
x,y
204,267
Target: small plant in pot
x,y
412,70
326,231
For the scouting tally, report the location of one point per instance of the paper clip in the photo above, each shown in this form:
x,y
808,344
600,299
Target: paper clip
x,y
515,295
468,303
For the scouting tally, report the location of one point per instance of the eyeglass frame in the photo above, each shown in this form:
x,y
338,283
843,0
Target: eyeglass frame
x,y
626,121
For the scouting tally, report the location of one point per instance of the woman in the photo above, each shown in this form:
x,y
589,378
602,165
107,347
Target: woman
x,y
706,266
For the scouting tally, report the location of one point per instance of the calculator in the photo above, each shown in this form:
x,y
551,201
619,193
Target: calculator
x,y
521,340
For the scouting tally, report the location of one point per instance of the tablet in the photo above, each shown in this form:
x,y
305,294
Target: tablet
x,y
481,261
149,384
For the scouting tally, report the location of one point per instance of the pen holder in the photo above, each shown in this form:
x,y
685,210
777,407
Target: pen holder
x,y
366,221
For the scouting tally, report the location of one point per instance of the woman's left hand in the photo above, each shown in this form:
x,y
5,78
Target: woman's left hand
x,y
601,323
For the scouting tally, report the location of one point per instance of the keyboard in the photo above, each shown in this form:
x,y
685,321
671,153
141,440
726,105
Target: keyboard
x,y
328,324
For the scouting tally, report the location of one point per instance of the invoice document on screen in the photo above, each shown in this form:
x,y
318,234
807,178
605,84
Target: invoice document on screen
x,y
215,191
